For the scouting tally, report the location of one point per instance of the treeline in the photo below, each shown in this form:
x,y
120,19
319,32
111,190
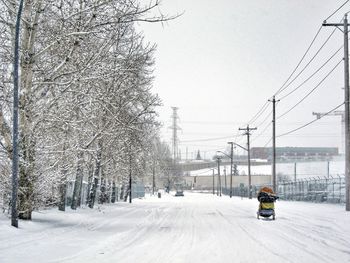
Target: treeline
x,y
86,110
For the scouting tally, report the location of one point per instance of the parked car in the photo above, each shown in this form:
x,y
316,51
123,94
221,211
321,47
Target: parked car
x,y
179,193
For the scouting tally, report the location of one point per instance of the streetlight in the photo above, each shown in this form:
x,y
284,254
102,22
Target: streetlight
x,y
231,143
231,157
249,174
213,181
219,178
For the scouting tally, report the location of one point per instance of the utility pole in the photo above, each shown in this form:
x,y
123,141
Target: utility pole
x,y
274,187
225,179
213,182
328,169
247,132
219,177
14,212
346,101
231,168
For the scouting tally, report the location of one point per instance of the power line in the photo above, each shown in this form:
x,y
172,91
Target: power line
x,y
261,111
263,131
261,123
208,139
206,150
308,94
283,87
312,75
336,10
301,60
312,59
208,170
211,122
307,124
267,142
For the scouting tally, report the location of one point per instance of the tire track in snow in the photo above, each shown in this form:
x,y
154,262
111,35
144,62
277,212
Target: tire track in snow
x,y
252,237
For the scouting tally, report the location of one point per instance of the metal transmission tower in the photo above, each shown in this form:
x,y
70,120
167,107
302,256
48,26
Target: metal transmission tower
x,y
247,132
175,140
345,31
319,115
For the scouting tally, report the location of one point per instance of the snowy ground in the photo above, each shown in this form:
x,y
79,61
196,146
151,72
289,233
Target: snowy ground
x,y
194,228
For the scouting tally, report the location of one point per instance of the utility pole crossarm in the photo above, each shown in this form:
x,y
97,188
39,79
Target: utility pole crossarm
x,y
332,24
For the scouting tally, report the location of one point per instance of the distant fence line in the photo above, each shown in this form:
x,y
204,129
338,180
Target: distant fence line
x,y
316,189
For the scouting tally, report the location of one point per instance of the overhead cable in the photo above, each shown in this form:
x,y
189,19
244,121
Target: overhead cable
x,y
208,139
307,124
308,94
303,69
312,75
336,10
300,61
259,113
261,133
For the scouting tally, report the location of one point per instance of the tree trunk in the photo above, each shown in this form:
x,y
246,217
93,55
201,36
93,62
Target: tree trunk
x,y
92,195
102,196
26,180
90,182
27,141
114,194
78,183
63,192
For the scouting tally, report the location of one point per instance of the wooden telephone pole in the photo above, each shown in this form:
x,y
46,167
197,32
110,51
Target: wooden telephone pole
x,y
346,101
247,132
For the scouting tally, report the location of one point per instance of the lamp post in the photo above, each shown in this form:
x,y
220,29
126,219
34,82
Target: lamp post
x,y
219,177
231,143
231,157
213,181
225,179
249,175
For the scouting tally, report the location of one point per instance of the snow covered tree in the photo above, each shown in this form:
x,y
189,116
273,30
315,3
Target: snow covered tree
x,y
85,83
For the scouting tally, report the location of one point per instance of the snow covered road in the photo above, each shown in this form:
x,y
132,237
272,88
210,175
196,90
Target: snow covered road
x,y
194,228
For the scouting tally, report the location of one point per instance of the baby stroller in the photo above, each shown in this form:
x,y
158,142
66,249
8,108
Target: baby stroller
x,y
266,198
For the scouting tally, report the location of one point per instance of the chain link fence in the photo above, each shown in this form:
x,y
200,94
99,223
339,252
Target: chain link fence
x,y
330,189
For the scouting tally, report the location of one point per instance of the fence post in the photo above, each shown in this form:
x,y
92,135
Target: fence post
x,y
340,200
333,183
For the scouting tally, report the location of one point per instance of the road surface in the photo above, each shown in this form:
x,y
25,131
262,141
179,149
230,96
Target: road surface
x,y
194,228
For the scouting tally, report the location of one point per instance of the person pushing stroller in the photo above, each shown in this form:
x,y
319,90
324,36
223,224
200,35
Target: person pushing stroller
x,y
266,198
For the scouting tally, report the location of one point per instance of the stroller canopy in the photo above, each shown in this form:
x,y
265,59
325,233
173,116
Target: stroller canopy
x,y
267,190
266,194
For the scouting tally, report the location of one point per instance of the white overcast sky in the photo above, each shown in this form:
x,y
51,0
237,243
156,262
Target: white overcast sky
x,y
222,60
